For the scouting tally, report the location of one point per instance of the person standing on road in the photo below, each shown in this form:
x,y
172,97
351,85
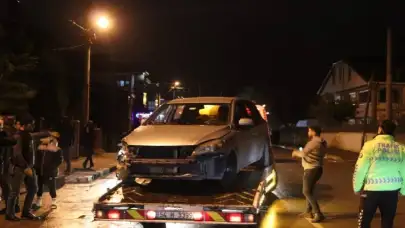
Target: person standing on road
x,y
312,156
88,139
66,138
379,176
21,168
6,146
50,156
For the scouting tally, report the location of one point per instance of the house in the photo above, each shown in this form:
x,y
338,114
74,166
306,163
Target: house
x,y
349,79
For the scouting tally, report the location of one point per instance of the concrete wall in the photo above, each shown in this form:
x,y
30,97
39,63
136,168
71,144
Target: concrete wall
x,y
350,141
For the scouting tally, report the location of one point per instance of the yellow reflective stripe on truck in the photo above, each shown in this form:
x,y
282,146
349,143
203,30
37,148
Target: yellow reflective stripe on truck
x,y
216,216
135,214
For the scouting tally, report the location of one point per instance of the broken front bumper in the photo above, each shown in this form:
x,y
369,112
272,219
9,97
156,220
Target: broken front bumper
x,y
199,168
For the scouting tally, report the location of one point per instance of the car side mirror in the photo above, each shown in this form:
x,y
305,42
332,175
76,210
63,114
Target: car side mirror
x,y
245,122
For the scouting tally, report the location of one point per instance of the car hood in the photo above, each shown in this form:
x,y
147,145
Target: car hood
x,y
174,135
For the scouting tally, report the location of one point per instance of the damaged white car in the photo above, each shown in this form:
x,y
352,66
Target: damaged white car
x,y
202,138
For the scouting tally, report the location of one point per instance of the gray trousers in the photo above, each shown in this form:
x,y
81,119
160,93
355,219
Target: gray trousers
x,y
15,180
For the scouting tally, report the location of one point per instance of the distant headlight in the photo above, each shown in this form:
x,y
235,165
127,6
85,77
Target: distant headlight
x,y
209,147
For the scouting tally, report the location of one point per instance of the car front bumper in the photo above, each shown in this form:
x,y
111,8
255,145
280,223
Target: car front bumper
x,y
199,168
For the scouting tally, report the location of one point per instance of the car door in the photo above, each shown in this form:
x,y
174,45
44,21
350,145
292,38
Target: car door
x,y
244,137
259,132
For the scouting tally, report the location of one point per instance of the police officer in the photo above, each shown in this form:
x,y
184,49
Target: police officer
x,y
21,168
379,176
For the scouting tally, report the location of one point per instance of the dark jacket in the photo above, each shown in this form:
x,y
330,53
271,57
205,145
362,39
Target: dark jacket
x,y
66,134
87,138
6,149
23,152
47,162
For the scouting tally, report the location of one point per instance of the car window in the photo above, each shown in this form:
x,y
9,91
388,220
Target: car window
x,y
255,114
191,114
241,111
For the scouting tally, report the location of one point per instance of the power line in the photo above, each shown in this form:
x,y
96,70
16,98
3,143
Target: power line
x,y
68,48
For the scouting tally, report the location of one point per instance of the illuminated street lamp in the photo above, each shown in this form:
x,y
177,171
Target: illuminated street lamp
x,y
101,22
174,87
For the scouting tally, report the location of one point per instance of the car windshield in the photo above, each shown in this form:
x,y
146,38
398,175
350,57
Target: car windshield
x,y
191,114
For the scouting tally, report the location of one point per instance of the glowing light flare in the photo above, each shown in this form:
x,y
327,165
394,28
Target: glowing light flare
x,y
103,22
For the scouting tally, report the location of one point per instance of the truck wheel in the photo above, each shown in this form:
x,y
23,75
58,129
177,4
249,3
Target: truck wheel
x,y
230,174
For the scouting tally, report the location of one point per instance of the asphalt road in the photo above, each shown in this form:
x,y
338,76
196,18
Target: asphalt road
x,y
334,190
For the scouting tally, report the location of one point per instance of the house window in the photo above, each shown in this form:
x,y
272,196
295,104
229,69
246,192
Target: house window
x,y
363,96
353,97
349,74
338,97
382,96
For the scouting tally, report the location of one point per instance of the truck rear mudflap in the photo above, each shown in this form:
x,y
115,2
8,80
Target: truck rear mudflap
x,y
140,204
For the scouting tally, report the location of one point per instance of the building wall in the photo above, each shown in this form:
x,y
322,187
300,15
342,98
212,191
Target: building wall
x,y
343,77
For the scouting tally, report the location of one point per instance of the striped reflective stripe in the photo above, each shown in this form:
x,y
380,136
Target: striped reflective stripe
x,y
216,216
135,214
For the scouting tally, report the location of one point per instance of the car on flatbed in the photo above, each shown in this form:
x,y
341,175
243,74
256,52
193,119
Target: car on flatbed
x,y
200,138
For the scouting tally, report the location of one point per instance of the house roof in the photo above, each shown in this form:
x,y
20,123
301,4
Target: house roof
x,y
376,65
371,65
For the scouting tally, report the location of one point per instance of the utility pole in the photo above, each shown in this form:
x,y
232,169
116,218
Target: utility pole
x,y
388,83
131,96
86,87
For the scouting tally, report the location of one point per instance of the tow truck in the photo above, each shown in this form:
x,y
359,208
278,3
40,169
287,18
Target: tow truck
x,y
194,202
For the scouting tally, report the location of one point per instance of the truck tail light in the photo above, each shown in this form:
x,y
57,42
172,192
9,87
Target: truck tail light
x,y
151,215
198,216
113,214
235,217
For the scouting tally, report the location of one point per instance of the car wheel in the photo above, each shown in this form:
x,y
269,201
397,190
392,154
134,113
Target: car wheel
x,y
230,173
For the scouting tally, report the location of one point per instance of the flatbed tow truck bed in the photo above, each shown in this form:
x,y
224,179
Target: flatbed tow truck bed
x,y
200,202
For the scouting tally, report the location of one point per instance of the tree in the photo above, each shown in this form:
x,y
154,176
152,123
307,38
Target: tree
x,y
15,58
329,112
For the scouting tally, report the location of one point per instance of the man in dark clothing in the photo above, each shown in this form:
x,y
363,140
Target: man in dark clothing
x,y
312,156
65,141
21,168
6,147
88,139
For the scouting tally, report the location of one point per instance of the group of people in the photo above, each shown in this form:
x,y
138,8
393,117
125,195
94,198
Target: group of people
x,y
37,164
378,178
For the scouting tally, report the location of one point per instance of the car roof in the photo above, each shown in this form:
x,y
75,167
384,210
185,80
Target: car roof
x,y
213,100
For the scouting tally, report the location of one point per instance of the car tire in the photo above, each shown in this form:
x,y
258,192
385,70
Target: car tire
x,y
230,174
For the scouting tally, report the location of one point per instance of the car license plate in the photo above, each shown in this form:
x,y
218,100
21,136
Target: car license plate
x,y
175,215
162,170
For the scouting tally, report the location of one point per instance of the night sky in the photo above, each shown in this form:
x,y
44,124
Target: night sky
x,y
281,48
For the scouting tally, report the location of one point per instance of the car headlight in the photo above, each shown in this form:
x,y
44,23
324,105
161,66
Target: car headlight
x,y
209,147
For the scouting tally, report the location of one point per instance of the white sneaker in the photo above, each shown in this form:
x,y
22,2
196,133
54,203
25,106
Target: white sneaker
x,y
38,201
53,203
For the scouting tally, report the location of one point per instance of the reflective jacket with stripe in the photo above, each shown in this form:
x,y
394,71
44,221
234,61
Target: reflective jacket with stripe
x,y
380,166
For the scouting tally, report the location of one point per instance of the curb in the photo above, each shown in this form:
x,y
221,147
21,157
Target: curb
x,y
85,176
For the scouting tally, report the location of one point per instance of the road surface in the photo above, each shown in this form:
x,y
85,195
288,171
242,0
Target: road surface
x,y
335,193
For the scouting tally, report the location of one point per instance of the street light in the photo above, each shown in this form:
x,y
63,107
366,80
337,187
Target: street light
x,y
101,22
174,87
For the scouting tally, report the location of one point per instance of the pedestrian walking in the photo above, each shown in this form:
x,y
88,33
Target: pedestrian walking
x,y
312,156
379,176
21,168
88,139
65,130
49,158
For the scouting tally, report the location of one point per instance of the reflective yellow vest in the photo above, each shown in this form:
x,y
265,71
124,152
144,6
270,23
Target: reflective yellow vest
x,y
380,166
